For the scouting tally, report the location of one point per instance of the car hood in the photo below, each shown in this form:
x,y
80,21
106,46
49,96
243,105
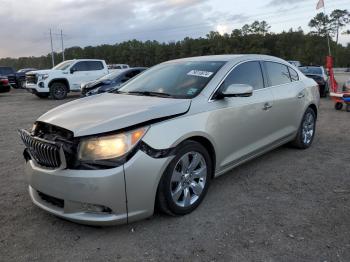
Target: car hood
x,y
109,112
43,72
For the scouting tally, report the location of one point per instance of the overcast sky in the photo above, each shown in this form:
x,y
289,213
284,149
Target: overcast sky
x,y
25,23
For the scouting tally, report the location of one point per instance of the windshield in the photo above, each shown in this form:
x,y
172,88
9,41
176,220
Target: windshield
x,y
64,65
6,71
311,70
175,79
111,76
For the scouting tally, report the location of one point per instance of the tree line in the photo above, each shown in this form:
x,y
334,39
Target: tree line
x,y
309,48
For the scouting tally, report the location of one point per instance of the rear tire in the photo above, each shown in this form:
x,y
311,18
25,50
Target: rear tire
x,y
58,91
185,182
307,130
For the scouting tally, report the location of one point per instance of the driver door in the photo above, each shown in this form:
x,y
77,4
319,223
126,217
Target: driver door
x,y
243,124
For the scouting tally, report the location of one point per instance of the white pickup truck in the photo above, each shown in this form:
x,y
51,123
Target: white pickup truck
x,y
65,77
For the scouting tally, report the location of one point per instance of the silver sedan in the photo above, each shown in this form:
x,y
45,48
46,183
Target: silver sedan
x,y
160,139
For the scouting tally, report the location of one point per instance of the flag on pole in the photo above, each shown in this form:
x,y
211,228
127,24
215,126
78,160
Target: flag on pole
x,y
320,4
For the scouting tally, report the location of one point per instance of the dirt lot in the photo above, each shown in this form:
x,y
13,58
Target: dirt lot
x,y
288,205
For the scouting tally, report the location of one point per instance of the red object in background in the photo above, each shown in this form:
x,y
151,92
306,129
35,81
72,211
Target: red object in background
x,y
4,81
329,64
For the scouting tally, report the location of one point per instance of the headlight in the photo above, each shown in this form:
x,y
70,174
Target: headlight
x,y
43,77
109,147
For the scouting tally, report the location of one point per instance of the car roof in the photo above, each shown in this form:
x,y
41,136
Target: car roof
x,y
227,58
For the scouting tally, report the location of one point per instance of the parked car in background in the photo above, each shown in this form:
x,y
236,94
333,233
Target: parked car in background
x,y
162,137
65,77
346,86
110,81
4,84
318,73
10,73
321,84
118,66
294,62
21,76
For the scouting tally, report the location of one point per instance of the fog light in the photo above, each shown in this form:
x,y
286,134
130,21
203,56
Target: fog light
x,y
91,208
41,84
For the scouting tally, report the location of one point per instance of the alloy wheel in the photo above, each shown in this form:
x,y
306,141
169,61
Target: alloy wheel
x,y
188,179
308,128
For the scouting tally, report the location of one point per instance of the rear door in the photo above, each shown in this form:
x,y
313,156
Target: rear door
x,y
244,124
289,98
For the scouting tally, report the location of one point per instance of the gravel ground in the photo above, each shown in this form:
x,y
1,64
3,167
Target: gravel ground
x,y
288,205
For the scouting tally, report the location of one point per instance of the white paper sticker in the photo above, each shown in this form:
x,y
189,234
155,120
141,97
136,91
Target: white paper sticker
x,y
199,73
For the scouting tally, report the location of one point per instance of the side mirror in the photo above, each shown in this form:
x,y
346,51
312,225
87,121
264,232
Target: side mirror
x,y
72,70
236,90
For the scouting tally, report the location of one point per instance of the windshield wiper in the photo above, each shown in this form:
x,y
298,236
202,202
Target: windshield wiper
x,y
149,93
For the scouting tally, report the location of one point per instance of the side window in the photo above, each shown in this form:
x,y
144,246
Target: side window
x,y
278,73
293,74
95,65
125,66
247,73
81,66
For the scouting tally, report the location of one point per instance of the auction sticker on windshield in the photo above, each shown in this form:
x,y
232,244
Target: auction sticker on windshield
x,y
199,73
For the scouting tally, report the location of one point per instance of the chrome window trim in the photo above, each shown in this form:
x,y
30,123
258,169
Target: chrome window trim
x,y
251,60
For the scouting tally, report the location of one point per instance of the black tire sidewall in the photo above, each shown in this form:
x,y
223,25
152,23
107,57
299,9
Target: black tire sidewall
x,y
164,186
338,106
300,133
58,85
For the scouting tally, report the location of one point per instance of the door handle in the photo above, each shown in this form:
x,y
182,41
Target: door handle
x,y
301,95
267,106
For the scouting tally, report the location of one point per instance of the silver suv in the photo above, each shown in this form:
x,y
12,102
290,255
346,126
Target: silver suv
x,y
162,137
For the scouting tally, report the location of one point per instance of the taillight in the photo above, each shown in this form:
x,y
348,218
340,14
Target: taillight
x,y
4,81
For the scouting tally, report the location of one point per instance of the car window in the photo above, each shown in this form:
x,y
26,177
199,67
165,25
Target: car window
x,y
311,70
81,66
125,66
95,65
63,65
247,73
177,79
293,74
278,73
6,70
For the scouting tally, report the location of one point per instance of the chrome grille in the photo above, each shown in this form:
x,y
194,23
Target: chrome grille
x,y
31,78
45,153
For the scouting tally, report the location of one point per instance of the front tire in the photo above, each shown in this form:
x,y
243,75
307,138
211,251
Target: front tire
x,y
306,131
58,91
185,182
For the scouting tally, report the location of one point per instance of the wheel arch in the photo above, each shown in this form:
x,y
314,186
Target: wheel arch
x,y
208,146
60,80
314,108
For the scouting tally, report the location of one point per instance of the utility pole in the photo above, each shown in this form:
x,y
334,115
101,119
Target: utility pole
x,y
328,41
52,56
62,45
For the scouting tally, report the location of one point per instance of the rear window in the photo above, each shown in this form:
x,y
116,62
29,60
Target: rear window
x,y
278,73
6,71
311,70
95,65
